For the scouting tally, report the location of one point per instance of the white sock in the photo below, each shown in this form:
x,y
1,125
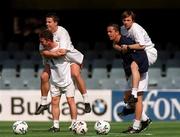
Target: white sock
x,y
44,100
144,117
134,92
136,124
85,98
56,123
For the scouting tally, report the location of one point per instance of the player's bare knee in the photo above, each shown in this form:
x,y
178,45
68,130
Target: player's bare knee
x,y
55,101
75,74
75,71
70,100
134,66
44,77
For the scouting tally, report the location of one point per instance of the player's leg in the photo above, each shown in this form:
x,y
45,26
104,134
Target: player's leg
x,y
143,86
137,121
141,121
55,93
76,74
73,110
45,75
70,93
127,109
55,114
135,80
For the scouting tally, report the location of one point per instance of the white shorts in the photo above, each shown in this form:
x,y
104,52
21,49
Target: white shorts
x,y
75,56
69,90
152,55
143,83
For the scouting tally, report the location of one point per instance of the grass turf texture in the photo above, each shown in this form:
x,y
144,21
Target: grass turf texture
x,y
39,129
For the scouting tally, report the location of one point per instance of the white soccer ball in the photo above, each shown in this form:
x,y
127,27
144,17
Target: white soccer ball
x,y
80,127
20,127
102,127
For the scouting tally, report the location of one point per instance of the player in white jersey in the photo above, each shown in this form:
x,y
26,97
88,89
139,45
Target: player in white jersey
x,y
60,81
74,56
137,33
135,64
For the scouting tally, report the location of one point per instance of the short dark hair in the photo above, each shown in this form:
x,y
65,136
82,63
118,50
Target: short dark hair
x,y
128,13
46,34
115,26
53,16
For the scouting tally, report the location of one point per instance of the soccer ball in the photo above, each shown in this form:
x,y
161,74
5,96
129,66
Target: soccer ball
x,y
20,127
80,127
102,127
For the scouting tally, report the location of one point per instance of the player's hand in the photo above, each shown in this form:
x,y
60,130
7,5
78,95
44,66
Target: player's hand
x,y
124,49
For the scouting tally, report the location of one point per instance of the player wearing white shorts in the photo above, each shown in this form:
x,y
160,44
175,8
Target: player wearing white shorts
x,y
62,37
60,81
139,35
138,74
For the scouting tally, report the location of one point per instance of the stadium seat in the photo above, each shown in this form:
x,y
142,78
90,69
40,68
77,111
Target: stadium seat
x,y
11,83
99,63
85,73
10,63
31,83
176,82
8,72
27,73
173,63
91,55
93,83
113,83
117,73
99,73
117,63
18,55
164,83
154,74
163,55
108,55
172,72
35,56
27,63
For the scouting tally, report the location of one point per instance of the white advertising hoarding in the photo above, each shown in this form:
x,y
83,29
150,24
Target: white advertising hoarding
x,y
21,105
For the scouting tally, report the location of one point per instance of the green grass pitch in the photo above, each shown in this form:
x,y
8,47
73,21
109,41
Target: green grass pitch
x,y
39,129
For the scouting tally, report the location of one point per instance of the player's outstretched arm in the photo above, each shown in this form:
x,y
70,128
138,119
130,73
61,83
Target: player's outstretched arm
x,y
53,54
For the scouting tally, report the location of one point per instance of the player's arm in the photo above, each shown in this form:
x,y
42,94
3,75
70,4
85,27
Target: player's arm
x,y
53,54
136,46
117,47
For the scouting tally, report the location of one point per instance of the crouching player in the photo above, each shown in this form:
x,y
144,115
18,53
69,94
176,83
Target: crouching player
x,y
135,65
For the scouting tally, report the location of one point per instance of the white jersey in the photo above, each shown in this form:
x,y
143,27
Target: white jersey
x,y
60,71
139,35
62,37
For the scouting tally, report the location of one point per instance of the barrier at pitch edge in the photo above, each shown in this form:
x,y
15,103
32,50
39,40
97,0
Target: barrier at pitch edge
x,y
21,105
158,104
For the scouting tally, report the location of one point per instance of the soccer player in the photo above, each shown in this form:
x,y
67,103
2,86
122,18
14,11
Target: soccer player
x,y
135,62
62,37
137,33
134,31
61,81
